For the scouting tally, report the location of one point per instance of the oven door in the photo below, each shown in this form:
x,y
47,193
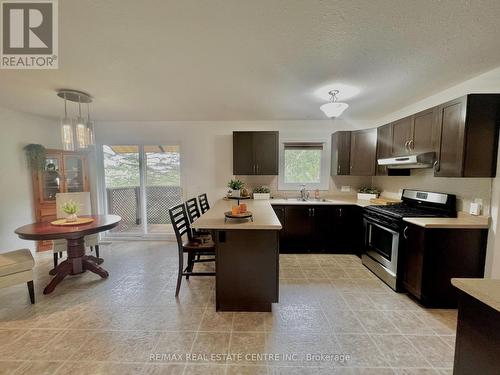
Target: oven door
x,y
381,244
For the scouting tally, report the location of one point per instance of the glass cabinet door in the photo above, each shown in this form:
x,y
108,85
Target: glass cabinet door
x,y
74,174
51,178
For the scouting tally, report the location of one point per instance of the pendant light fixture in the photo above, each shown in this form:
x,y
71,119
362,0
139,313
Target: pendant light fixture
x,y
90,128
334,108
76,134
67,129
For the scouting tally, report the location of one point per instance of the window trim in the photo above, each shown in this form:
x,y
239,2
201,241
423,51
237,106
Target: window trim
x,y
324,183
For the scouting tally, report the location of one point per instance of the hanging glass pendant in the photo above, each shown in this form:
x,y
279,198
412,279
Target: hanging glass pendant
x,y
67,130
67,134
90,128
77,133
81,129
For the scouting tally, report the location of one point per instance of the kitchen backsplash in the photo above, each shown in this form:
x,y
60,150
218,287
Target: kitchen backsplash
x,y
336,183
466,189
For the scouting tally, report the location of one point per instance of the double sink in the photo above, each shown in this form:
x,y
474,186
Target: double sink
x,y
307,200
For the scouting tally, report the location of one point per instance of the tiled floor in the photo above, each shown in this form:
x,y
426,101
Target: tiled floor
x,y
334,317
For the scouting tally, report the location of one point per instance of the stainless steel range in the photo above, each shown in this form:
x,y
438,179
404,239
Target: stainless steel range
x,y
383,230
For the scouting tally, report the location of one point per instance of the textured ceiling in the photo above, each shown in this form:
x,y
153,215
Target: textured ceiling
x,y
259,59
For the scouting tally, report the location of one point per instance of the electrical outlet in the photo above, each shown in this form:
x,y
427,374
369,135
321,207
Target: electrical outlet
x,y
345,188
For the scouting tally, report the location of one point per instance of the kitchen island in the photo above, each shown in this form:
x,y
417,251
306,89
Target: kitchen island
x,y
247,256
477,348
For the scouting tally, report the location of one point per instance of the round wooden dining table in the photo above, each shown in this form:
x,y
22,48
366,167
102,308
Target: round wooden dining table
x,y
76,262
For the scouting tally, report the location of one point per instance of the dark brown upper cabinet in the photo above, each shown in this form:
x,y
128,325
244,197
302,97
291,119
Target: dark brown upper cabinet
x,y
468,129
255,153
402,131
425,132
384,147
341,151
415,134
363,152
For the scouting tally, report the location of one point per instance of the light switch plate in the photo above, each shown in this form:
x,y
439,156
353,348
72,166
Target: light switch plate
x,y
345,188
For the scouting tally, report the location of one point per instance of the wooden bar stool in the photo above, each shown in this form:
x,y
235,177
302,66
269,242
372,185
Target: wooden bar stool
x,y
187,243
194,213
202,198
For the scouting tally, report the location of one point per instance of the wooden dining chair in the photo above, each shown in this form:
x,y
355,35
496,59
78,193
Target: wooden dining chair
x,y
188,243
202,198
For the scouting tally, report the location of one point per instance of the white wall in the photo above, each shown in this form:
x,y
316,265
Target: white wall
x,y
493,253
16,198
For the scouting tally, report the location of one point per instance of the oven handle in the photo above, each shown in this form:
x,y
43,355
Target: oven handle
x,y
380,226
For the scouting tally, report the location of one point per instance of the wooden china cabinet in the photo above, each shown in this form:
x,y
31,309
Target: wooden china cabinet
x,y
65,172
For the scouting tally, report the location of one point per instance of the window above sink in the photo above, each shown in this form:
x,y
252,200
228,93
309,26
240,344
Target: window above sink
x,y
304,163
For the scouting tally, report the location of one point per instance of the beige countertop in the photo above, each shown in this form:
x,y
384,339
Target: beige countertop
x,y
323,201
264,217
462,221
484,290
267,219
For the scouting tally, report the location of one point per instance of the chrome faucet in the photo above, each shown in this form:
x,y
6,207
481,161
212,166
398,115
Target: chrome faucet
x,y
304,194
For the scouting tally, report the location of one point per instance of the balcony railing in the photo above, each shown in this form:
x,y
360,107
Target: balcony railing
x,y
125,202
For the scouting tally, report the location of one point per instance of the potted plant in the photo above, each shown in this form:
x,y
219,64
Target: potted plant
x,y
70,208
235,187
367,193
35,156
261,192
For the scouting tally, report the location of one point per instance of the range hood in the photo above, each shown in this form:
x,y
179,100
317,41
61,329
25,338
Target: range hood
x,y
423,160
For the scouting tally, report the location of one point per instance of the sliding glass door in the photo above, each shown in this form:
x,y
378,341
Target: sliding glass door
x,y
162,185
141,182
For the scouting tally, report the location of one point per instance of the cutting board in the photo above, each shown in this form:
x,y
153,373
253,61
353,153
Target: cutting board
x,y
384,201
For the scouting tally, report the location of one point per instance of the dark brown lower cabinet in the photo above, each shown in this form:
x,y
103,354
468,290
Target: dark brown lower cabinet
x,y
319,228
477,347
432,257
280,213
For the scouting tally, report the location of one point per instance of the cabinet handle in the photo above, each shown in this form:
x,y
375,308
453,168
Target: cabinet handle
x,y
405,233
338,169
340,212
407,148
312,209
436,166
257,168
412,144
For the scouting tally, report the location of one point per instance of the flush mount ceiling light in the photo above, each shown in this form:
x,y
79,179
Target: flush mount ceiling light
x,y
334,108
76,133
